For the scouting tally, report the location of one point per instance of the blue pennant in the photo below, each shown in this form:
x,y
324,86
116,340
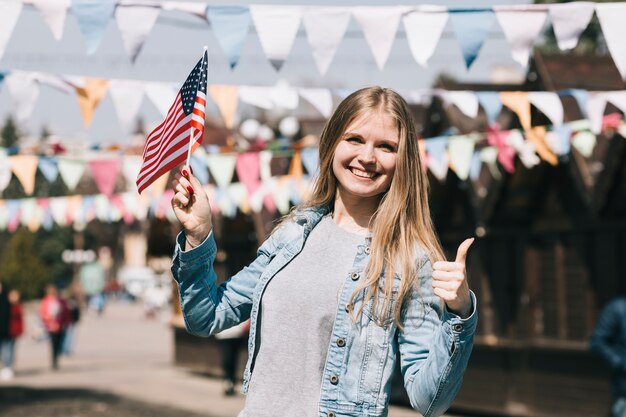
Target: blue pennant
x,y
93,17
471,28
230,25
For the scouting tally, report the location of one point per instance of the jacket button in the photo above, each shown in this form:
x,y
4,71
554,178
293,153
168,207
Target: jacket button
x,y
354,276
334,379
367,250
331,414
341,342
457,327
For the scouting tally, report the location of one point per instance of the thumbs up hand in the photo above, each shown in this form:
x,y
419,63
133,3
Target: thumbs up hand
x,y
450,282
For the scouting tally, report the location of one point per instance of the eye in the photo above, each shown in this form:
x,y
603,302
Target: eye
x,y
387,147
353,139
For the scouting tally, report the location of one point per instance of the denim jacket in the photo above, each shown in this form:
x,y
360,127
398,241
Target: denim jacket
x,y
433,348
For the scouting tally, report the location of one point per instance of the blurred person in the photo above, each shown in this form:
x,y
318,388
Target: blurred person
x,y
73,305
5,320
55,317
231,341
16,329
609,342
351,281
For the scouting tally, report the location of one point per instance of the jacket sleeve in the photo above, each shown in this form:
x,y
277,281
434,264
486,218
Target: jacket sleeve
x,y
435,346
208,308
603,337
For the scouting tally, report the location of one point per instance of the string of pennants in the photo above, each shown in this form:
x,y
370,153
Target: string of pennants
x,y
128,95
257,188
277,26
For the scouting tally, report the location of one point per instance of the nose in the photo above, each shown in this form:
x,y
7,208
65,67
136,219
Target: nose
x,y
366,156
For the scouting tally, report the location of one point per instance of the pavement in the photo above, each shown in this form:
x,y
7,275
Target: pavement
x,y
121,354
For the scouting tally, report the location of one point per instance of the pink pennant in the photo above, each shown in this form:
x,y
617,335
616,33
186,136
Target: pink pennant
x,y
117,202
105,173
247,167
506,154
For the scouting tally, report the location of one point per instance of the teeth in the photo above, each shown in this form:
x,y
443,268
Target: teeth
x,y
362,174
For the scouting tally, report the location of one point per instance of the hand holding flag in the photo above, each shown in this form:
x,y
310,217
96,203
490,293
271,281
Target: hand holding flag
x,y
184,125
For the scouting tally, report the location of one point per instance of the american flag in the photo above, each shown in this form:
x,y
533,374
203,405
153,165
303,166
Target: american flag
x,y
167,145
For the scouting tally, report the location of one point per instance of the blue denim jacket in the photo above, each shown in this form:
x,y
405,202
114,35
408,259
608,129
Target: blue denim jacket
x,y
433,349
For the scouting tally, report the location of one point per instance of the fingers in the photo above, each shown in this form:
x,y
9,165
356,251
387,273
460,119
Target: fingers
x,y
461,253
448,266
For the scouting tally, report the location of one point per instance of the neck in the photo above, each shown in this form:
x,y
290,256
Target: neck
x,y
353,214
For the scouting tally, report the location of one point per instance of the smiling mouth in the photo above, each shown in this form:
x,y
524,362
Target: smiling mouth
x,y
363,174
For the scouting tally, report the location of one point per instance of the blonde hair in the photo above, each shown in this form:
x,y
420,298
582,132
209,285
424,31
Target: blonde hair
x,y
402,222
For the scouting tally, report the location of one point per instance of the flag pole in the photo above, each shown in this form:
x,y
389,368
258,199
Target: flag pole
x,y
191,127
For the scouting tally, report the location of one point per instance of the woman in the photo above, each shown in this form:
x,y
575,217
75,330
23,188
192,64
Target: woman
x,y
16,329
351,281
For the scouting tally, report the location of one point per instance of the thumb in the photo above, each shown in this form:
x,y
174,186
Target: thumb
x,y
461,253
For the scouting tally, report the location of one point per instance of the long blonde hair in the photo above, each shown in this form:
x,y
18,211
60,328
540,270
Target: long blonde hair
x,y
402,221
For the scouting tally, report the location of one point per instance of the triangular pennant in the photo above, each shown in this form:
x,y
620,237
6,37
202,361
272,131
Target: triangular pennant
x,y
55,81
102,208
276,26
564,135
521,28
24,92
58,209
25,168
256,96
325,28
525,149
105,173
310,160
569,20
225,97
549,104
537,135
93,18
53,13
618,99
596,103
199,166
379,37
611,17
44,205
135,23
230,25
127,96
491,104
13,213
295,166
471,29
90,96
9,14
5,172
475,164
195,9
131,165
48,167
320,98
581,99
239,195
284,96
423,31
222,168
280,193
30,214
71,171
460,151
488,155
129,203
466,101
265,168
437,159
518,102
161,95
247,167
584,142
506,153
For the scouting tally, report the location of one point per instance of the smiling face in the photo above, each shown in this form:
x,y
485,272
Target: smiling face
x,y
364,160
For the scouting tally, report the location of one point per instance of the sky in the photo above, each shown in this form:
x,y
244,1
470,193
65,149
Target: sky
x,y
175,44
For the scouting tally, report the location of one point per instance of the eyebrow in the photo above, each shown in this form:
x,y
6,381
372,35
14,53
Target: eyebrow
x,y
395,142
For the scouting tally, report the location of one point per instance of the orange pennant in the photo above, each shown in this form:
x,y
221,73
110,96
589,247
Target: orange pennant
x,y
537,135
519,103
225,97
25,168
89,97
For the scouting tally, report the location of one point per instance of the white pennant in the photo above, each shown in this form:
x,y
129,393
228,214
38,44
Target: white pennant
x,y
466,101
222,168
320,98
596,102
5,172
325,28
127,96
525,149
265,169
71,171
9,13
196,9
162,95
618,99
284,96
521,28
276,27
379,36
460,151
239,195
549,104
135,24
423,31
53,13
280,194
611,17
569,20
58,209
54,81
131,165
24,91
256,96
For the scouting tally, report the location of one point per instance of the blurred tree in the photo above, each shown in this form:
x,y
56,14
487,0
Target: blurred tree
x,y
20,268
9,134
45,134
50,245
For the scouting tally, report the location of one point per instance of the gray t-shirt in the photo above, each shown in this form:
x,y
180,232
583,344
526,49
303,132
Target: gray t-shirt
x,y
296,318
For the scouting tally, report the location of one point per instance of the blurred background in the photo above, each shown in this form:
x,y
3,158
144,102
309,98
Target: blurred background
x,y
520,108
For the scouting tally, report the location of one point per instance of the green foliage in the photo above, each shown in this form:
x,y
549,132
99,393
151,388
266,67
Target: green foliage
x,y
9,135
21,268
